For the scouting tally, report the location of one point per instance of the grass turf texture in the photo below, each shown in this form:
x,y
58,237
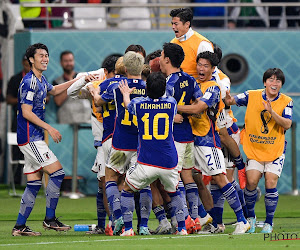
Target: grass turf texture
x,y
83,211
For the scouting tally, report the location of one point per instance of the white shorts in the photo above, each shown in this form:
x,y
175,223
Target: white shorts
x,y
99,164
119,160
274,167
227,156
140,176
221,120
209,160
186,158
37,155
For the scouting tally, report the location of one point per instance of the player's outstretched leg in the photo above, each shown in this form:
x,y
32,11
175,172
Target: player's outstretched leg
x,y
26,206
127,206
52,196
241,197
145,209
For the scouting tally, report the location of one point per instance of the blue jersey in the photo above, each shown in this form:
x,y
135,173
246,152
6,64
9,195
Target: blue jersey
x,y
155,125
125,135
109,109
184,89
34,93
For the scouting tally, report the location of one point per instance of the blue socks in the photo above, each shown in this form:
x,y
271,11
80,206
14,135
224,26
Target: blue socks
x,y
234,202
192,196
127,206
219,200
27,201
145,205
241,197
53,192
177,204
101,213
250,198
271,201
183,197
159,212
201,210
113,197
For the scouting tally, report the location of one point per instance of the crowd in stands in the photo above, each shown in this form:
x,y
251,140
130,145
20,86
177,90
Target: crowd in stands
x,y
146,18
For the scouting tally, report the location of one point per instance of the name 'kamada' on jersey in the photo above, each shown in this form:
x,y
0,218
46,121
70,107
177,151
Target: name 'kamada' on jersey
x,y
156,106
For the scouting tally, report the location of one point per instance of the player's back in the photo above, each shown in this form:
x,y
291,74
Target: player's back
x,y
184,89
155,124
109,109
125,129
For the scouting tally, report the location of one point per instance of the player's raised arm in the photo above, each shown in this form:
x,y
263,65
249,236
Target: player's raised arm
x,y
75,87
126,91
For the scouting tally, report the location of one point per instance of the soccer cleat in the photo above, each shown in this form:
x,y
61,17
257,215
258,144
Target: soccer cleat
x,y
55,224
144,231
189,224
164,227
252,222
182,232
221,227
109,231
242,178
241,227
197,225
119,223
209,229
205,220
24,231
267,229
129,232
97,230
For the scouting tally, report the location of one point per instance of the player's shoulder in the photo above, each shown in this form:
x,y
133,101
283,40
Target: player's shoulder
x,y
29,79
136,82
169,99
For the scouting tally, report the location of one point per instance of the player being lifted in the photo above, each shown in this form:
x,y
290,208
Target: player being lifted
x,y
208,154
157,157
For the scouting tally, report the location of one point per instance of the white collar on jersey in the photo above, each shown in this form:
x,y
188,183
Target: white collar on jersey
x,y
186,36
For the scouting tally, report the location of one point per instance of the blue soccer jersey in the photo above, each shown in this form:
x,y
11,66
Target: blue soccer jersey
x,y
34,93
125,135
109,109
184,89
155,125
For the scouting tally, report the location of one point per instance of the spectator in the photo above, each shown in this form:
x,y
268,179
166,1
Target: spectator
x,y
251,12
70,111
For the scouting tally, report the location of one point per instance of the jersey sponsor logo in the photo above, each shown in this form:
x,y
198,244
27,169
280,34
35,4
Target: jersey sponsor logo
x,y
30,95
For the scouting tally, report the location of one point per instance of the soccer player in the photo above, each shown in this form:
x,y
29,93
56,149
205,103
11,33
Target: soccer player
x,y
208,154
157,157
268,116
30,134
191,41
230,140
184,89
125,141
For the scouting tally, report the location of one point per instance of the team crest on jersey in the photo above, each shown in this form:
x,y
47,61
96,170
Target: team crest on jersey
x,y
46,155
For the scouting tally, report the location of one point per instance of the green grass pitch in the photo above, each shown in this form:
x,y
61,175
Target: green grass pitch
x,y
83,211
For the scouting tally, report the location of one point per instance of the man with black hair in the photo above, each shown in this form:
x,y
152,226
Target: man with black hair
x,y
136,48
208,154
157,157
30,135
192,42
268,116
